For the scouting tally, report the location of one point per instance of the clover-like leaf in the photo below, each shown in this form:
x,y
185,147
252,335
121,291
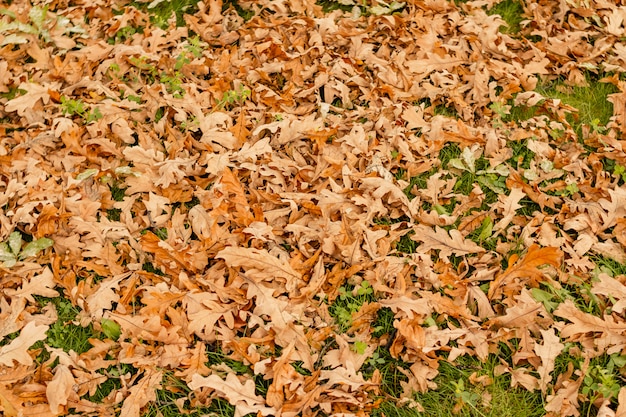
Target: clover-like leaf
x,y
110,329
15,242
36,246
6,256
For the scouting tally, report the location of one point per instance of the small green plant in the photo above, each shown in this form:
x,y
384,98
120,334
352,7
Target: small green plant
x,y
124,34
465,397
512,12
42,23
478,170
77,107
604,380
232,97
350,301
11,251
173,82
162,11
362,7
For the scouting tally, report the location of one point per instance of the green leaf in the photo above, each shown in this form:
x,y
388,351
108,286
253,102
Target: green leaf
x,y
458,164
15,242
38,16
7,12
359,347
36,246
87,174
5,253
14,39
469,159
545,298
126,170
486,229
110,329
17,26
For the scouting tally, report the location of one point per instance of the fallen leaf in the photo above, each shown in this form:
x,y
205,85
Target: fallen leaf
x,y
526,269
239,394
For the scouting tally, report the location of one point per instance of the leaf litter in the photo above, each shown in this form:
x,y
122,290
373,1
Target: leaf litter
x,y
211,188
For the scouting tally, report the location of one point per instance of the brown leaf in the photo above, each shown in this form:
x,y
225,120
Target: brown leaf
x,y
448,243
60,388
142,393
258,263
551,348
17,350
525,269
240,394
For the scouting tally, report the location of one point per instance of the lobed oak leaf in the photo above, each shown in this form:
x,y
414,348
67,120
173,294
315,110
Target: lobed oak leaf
x,y
448,243
548,352
525,269
611,288
142,393
17,350
522,377
565,401
613,333
103,298
60,388
239,394
34,93
509,204
258,263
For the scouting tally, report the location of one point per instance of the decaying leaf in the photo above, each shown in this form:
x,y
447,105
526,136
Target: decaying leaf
x,y
241,395
264,202
525,269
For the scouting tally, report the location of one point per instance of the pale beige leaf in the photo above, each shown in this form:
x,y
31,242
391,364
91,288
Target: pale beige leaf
x,y
239,394
448,244
611,288
60,388
258,263
142,393
565,401
34,93
17,350
548,352
509,204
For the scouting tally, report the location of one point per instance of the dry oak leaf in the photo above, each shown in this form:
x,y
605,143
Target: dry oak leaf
x,y
241,395
621,399
548,352
18,349
258,263
452,244
613,335
34,93
142,393
565,402
611,288
526,268
60,388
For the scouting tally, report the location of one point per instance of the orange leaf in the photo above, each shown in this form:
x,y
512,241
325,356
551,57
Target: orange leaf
x,y
525,269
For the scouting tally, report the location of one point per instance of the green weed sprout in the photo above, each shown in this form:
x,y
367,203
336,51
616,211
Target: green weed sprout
x,y
11,251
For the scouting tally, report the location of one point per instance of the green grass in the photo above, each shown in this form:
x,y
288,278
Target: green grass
x,y
593,108
64,333
454,389
512,12
174,390
349,301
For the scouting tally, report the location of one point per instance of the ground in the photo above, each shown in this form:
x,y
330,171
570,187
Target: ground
x,y
295,208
